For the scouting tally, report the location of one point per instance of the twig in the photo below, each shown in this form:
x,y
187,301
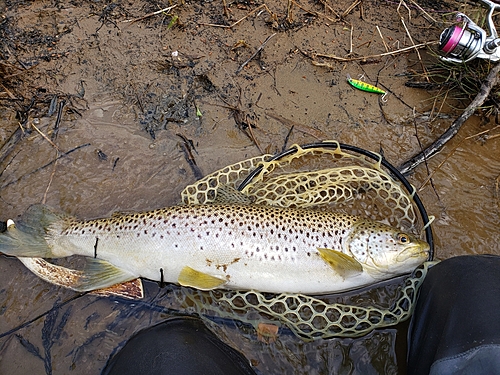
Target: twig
x,y
412,42
317,14
383,40
351,7
11,95
426,15
289,14
186,146
255,53
350,42
226,11
45,137
392,53
251,135
484,92
327,6
50,181
241,19
58,119
497,191
168,9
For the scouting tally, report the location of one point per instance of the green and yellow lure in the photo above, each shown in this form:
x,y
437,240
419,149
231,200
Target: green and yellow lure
x,y
363,86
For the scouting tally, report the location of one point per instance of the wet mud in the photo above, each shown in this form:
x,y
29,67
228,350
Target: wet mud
x,y
118,105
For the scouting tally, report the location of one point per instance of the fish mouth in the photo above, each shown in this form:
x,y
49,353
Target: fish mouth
x,y
419,250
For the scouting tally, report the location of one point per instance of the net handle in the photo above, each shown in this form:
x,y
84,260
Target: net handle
x,y
371,155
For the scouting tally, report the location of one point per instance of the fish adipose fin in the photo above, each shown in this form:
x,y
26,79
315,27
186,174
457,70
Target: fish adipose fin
x,y
26,238
199,280
68,278
343,264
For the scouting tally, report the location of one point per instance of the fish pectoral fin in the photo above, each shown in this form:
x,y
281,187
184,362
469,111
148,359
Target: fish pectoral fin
x,y
199,280
344,264
99,274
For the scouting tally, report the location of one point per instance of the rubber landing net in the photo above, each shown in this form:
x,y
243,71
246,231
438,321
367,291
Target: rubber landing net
x,y
330,176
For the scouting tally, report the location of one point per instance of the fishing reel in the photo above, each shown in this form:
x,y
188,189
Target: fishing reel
x,y
466,41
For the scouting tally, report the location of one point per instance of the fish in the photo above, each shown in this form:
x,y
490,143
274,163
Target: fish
x,y
238,246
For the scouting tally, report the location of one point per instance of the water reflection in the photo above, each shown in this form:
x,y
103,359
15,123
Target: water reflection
x,y
68,332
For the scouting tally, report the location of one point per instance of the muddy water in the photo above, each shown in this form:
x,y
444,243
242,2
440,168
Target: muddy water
x,y
128,154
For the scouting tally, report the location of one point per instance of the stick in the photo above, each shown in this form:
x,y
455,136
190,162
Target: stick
x,y
484,92
152,14
46,138
402,50
58,119
256,53
241,19
426,15
329,8
317,14
383,40
351,7
186,146
417,51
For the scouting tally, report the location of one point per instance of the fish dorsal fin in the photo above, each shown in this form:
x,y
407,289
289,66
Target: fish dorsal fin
x,y
344,264
227,194
118,214
69,278
199,280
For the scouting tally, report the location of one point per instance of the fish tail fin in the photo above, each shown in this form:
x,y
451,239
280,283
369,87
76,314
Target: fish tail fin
x,y
27,237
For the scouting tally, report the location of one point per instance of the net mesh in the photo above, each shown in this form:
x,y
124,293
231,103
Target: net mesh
x,y
316,178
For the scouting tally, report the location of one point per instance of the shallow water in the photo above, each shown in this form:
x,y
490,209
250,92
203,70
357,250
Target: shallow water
x,y
127,99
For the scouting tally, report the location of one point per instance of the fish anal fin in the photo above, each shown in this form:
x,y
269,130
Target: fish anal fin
x,y
132,289
199,280
344,264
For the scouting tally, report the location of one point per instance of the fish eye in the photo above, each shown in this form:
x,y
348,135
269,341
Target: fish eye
x,y
403,238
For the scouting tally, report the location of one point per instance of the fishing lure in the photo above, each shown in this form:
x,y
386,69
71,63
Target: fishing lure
x,y
363,86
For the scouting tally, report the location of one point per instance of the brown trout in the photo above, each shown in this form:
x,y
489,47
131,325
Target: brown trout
x,y
243,247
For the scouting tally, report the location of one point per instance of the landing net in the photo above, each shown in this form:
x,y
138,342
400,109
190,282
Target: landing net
x,y
321,176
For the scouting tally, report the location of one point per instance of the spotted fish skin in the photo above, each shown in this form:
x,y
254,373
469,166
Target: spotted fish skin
x,y
248,247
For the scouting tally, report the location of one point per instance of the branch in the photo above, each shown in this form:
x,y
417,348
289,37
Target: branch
x,y
484,92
